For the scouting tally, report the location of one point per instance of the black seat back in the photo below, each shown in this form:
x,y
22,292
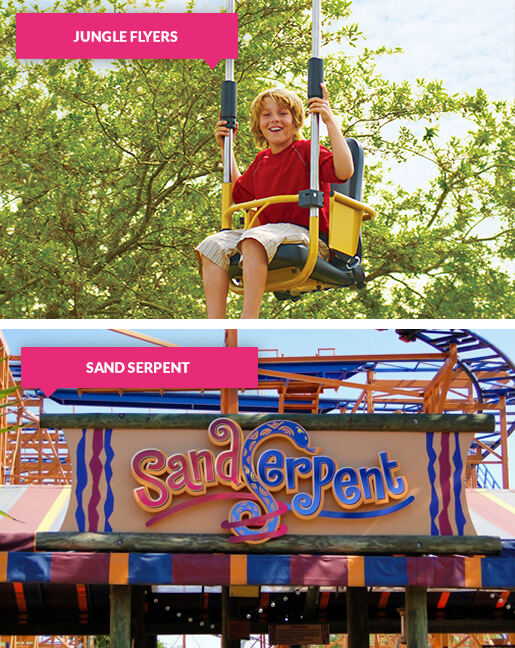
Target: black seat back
x,y
353,188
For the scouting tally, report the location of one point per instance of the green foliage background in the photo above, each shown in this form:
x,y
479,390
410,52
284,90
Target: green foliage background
x,y
110,176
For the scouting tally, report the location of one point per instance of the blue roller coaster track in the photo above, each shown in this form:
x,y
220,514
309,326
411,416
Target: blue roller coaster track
x,y
490,371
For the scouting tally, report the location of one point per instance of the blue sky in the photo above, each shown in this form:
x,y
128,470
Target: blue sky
x,y
465,44
290,339
468,44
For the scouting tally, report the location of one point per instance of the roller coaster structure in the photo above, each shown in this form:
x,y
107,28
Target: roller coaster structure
x,y
463,372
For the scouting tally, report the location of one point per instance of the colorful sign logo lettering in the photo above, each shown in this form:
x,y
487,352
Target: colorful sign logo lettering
x,y
314,483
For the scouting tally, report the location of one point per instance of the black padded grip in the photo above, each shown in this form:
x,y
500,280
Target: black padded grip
x,y
315,77
228,111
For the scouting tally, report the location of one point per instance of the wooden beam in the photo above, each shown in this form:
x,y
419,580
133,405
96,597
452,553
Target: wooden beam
x,y
357,617
146,338
325,422
288,544
120,616
51,625
435,394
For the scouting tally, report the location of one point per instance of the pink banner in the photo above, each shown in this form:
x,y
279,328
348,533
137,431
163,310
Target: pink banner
x,y
211,37
50,368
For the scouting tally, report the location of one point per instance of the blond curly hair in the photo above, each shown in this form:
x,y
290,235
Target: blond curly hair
x,y
285,99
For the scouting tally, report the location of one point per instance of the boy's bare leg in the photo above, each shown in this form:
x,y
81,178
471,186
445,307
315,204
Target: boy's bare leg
x,y
255,271
216,288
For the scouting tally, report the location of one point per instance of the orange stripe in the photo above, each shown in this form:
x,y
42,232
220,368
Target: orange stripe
x,y
82,598
82,602
502,600
473,571
264,599
119,568
238,570
21,602
442,601
3,566
324,600
20,597
383,600
355,571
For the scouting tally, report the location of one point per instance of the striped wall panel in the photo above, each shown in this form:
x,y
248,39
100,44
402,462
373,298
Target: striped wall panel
x,y
217,569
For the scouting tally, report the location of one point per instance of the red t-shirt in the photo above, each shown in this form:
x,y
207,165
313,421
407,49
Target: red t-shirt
x,y
285,173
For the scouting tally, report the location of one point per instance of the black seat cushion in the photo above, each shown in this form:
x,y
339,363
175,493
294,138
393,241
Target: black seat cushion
x,y
292,254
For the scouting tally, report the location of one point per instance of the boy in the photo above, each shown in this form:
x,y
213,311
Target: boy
x,y
276,118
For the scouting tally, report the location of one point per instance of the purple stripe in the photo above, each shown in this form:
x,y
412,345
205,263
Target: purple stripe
x,y
96,469
431,473
445,485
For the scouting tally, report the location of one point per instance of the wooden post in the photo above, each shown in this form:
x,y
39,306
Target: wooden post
x,y
229,611
120,617
138,615
504,443
229,396
311,603
416,617
357,617
229,405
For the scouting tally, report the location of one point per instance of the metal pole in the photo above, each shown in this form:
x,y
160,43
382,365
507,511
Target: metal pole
x,y
316,28
315,134
229,76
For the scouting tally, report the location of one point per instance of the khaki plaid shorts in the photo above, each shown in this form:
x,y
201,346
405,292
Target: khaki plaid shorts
x,y
220,247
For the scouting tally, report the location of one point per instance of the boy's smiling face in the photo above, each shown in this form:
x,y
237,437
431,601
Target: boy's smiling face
x,y
276,124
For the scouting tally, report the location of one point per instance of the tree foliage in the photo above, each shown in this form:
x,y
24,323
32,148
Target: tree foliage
x,y
110,176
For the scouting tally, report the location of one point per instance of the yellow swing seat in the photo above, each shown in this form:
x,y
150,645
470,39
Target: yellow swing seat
x,y
297,269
